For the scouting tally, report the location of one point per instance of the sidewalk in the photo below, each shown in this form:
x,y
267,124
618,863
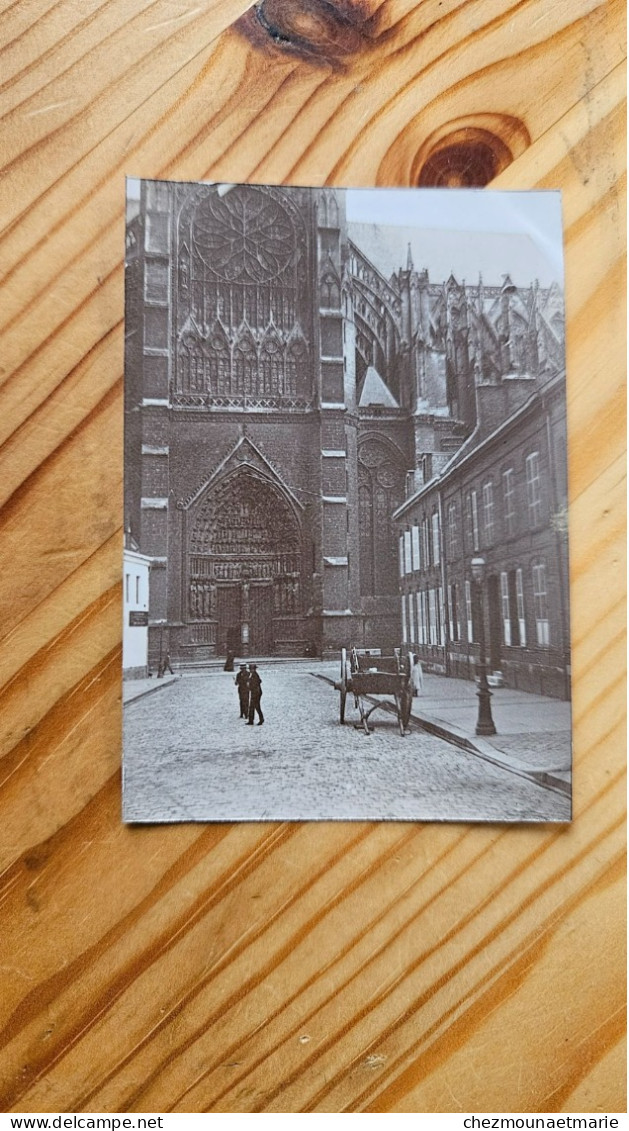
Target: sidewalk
x,y
133,689
533,732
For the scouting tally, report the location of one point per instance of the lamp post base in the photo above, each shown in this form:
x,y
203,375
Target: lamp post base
x,y
485,723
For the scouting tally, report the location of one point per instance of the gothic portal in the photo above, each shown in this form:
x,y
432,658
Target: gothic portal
x,y
245,565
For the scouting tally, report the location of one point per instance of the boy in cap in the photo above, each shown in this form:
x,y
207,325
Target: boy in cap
x,y
242,683
255,695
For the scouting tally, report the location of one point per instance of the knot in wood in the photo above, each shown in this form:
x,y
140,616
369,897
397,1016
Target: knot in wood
x,y
314,28
467,158
460,166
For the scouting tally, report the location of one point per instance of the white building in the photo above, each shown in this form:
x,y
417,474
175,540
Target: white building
x,y
135,598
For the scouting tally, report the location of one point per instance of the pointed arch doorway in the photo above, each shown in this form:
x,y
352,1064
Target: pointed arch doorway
x,y
245,566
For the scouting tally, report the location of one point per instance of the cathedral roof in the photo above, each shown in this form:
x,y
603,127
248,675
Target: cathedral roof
x,y
374,391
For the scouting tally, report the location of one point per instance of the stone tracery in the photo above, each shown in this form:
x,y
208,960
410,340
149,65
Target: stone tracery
x,y
245,236
241,299
381,475
245,532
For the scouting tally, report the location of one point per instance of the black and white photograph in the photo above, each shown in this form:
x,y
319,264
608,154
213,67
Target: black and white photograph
x,y
346,576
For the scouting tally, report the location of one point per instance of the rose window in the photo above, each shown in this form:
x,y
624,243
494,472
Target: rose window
x,y
244,236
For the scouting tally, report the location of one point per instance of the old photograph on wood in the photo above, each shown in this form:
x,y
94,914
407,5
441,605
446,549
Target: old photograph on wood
x,y
346,583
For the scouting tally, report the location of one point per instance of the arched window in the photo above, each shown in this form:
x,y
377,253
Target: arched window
x,y
365,518
192,359
330,293
219,366
381,477
323,210
295,364
333,211
540,604
271,367
518,343
245,368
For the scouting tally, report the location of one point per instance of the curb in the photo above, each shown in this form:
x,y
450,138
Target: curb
x,y
545,778
204,668
150,690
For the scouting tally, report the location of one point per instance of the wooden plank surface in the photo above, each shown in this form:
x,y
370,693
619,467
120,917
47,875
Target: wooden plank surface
x,y
373,967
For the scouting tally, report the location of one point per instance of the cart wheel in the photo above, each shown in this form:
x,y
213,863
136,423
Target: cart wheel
x,y
343,685
406,706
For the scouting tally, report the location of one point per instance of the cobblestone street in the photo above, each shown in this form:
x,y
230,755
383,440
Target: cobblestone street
x,y
188,756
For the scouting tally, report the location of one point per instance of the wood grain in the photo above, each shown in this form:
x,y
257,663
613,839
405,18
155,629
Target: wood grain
x,y
287,968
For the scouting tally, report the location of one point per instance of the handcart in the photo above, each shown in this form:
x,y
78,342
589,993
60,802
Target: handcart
x,y
366,673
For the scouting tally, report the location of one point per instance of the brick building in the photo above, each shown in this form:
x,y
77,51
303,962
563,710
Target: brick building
x,y
502,497
281,398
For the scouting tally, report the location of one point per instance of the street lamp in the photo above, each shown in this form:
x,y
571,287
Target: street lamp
x,y
160,666
485,723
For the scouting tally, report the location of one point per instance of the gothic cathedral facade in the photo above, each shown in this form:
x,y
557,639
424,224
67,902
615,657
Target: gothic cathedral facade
x,y
282,398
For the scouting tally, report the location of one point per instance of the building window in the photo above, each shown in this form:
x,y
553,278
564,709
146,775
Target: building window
x,y
271,368
453,533
441,623
127,583
157,232
453,613
519,595
469,615
425,544
540,602
488,513
421,623
432,615
426,616
362,499
296,362
219,367
156,282
411,619
504,600
245,368
193,369
137,589
436,549
513,607
534,489
508,497
472,520
408,566
404,632
415,548
157,195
